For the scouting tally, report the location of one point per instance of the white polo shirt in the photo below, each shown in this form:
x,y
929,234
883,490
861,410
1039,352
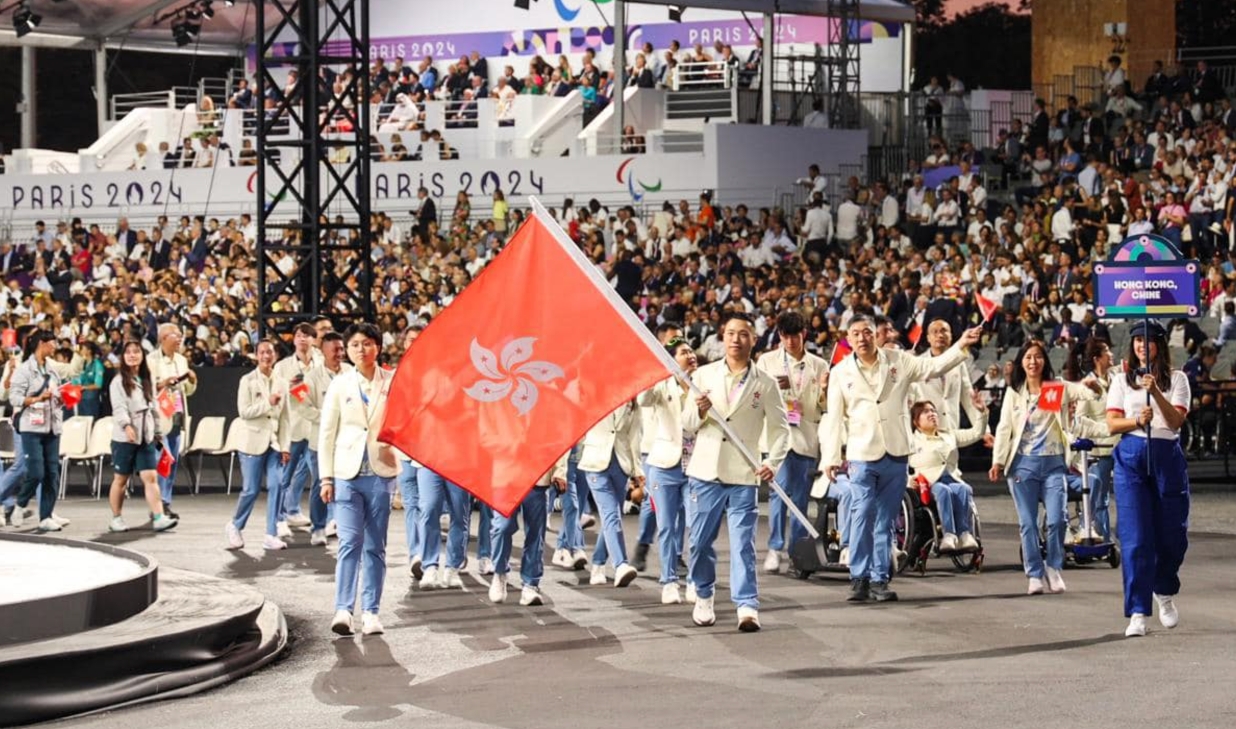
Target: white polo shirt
x,y
1126,402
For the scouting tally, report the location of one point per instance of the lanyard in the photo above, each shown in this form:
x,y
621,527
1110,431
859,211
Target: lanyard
x,y
729,400
802,373
364,403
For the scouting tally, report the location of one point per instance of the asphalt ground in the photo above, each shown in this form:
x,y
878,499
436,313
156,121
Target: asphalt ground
x,y
958,650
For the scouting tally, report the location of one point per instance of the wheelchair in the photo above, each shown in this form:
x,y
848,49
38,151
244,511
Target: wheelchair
x,y
917,532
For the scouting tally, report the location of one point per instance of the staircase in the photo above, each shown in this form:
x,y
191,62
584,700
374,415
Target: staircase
x,y
715,105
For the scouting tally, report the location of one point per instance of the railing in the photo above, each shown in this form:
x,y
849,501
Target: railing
x,y
176,97
655,142
695,76
218,89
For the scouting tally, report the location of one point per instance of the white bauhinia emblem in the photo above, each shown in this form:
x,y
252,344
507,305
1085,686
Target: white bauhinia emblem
x,y
513,376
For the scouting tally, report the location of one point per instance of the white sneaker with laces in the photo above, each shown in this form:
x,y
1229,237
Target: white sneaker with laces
x,y
587,521
431,579
772,563
948,543
451,580
273,543
60,520
530,596
562,558
163,522
18,518
598,575
1055,580
1036,586
748,619
298,520
624,575
332,529
702,614
117,525
370,625
1137,626
234,539
485,566
670,594
342,624
48,525
282,530
967,542
497,590
690,596
579,559
317,538
1169,617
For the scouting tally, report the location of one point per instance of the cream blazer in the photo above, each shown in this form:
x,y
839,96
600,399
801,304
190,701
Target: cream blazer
x,y
935,456
758,408
805,374
619,433
350,428
302,416
872,409
951,393
665,401
319,380
163,367
1013,414
262,425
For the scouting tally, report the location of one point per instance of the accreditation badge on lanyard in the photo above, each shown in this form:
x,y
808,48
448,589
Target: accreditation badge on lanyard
x,y
793,406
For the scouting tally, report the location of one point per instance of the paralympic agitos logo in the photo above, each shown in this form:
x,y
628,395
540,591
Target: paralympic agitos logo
x,y
626,177
568,13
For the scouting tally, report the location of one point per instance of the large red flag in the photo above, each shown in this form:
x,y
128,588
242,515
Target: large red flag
x,y
530,356
987,307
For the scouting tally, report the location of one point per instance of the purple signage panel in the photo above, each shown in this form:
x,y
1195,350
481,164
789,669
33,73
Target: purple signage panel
x,y
1155,290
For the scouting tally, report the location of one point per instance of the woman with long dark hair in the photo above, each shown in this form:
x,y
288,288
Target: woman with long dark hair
x,y
38,415
1148,406
136,438
1030,450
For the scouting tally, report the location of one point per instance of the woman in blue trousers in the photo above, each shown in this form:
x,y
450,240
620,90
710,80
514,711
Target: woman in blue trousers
x,y
358,474
1148,406
1031,445
433,493
532,565
410,494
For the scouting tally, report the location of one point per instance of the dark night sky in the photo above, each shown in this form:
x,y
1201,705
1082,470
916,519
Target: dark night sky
x,y
66,110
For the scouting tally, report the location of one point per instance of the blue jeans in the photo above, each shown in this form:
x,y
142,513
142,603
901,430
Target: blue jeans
x,y
955,504
647,520
363,514
252,470
570,536
172,443
843,491
532,564
319,513
483,545
878,488
1033,479
609,488
668,488
434,493
710,500
294,475
1100,494
411,508
795,477
41,452
13,476
1154,518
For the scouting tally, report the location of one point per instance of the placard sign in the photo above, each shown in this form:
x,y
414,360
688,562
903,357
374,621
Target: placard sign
x,y
1146,277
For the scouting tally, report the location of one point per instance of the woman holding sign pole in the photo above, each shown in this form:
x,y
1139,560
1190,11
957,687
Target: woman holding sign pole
x,y
1148,406
1030,449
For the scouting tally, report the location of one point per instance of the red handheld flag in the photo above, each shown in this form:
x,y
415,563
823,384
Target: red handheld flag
x,y
987,307
299,391
166,403
916,333
8,339
841,350
166,461
508,377
1051,397
70,395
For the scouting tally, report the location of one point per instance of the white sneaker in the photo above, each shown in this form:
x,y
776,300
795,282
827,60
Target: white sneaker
x,y
497,590
18,518
431,580
162,522
1055,580
844,559
48,525
444,522
450,579
690,596
1168,615
298,520
703,614
772,563
317,538
748,619
598,575
370,625
282,530
60,520
1036,586
587,521
670,594
234,539
530,596
579,559
562,558
485,566
332,529
948,543
1137,626
967,543
117,525
342,624
273,543
624,575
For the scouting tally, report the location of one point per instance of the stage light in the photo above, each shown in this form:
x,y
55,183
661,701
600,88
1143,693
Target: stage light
x,y
208,12
229,3
180,33
192,15
675,13
523,4
25,20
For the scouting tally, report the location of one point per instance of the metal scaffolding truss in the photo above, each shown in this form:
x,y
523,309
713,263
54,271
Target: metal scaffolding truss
x,y
842,52
314,165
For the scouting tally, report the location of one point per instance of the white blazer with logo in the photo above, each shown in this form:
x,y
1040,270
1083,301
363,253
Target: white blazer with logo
x,y
319,381
350,428
665,401
619,433
302,415
1014,412
758,407
804,377
262,426
935,456
951,393
871,407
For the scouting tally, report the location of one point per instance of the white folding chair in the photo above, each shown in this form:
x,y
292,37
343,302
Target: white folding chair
x,y
208,440
98,450
229,449
74,443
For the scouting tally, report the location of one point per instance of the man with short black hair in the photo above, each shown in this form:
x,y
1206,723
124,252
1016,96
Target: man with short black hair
x,y
301,413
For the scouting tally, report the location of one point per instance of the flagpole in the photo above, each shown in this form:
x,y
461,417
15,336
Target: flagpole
x,y
657,348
